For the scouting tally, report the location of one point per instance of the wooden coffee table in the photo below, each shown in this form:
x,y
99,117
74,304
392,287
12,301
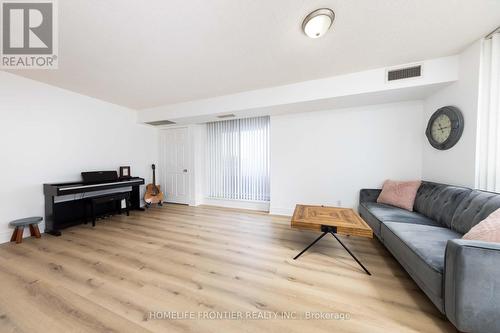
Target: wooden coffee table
x,y
331,220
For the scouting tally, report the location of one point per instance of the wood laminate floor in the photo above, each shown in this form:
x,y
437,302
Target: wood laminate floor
x,y
204,261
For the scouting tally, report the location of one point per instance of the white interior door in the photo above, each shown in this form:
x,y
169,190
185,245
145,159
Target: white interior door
x,y
175,160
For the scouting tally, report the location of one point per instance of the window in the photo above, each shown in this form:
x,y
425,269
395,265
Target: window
x,y
488,177
238,159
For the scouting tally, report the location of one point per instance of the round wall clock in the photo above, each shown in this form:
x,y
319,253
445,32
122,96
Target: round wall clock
x,y
445,127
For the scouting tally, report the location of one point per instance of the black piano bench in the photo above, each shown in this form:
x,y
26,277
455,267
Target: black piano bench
x,y
19,225
116,198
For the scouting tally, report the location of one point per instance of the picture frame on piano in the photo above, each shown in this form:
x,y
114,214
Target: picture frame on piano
x,y
125,172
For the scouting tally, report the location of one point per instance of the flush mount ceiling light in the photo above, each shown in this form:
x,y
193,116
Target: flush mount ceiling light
x,y
317,23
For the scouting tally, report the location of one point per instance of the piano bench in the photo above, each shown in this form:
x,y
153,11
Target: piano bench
x,y
104,199
19,225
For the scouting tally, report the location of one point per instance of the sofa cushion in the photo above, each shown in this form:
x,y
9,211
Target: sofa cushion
x,y
488,230
374,213
420,249
439,202
369,218
477,206
399,194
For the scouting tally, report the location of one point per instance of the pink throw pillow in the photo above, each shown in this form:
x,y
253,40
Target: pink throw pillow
x,y
487,230
399,194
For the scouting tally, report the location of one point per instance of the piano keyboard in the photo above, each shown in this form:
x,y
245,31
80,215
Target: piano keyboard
x,y
83,187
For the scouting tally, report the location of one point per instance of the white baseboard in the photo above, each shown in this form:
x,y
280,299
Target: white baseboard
x,y
5,236
281,211
240,204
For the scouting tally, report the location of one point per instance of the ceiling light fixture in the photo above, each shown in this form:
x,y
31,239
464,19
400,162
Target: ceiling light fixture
x,y
317,23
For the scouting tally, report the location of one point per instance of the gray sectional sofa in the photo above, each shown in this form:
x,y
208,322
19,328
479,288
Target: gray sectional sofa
x,y
461,277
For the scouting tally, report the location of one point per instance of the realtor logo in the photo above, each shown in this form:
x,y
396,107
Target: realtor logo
x,y
29,34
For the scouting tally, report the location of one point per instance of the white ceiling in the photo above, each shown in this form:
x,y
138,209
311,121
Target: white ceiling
x,y
143,54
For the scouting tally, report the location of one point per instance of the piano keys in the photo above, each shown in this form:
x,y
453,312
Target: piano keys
x,y
64,202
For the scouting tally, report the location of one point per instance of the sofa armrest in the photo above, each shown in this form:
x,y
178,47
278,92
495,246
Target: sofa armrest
x,y
472,285
369,195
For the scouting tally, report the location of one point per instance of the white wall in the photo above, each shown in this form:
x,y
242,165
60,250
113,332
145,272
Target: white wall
x,y
49,134
458,164
326,157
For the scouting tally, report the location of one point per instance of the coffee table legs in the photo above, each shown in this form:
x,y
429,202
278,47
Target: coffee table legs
x,y
352,255
307,248
345,247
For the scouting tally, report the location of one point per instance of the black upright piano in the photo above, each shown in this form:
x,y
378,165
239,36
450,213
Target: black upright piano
x,y
64,202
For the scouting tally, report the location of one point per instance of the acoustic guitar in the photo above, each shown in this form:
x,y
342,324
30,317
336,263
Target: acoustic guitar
x,y
153,193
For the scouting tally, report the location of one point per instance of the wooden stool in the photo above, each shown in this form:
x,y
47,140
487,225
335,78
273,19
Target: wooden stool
x,y
19,225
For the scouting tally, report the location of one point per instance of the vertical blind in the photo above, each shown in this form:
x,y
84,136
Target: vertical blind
x,y
238,159
489,116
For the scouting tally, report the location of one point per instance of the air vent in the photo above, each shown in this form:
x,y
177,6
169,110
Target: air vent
x,y
161,122
224,116
404,73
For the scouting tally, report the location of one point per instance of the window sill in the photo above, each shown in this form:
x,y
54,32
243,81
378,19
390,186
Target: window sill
x,y
241,204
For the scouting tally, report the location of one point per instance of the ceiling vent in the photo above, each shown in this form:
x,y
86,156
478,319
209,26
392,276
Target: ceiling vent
x,y
225,116
161,122
404,73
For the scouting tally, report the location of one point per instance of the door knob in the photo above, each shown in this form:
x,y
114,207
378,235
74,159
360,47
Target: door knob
x,y
185,170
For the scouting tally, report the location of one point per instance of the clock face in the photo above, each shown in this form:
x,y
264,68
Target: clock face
x,y
441,128
445,127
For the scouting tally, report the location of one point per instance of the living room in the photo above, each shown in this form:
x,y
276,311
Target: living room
x,y
220,166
